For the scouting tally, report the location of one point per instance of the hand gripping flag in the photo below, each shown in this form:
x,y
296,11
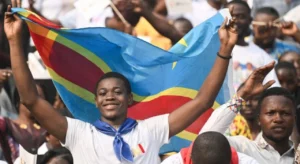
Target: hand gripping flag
x,y
161,80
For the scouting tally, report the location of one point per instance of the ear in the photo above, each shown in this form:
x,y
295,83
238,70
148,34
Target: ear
x,y
96,101
130,99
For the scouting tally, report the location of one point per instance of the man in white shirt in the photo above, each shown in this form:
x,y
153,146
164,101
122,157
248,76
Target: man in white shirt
x,y
247,56
200,152
276,118
114,138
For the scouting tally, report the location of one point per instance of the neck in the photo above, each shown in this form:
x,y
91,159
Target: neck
x,y
50,147
215,5
254,127
116,123
264,46
280,146
241,41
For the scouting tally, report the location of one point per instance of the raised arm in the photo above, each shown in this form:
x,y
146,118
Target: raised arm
x,y
223,116
45,114
189,112
159,22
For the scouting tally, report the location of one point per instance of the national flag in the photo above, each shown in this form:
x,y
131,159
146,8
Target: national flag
x,y
161,80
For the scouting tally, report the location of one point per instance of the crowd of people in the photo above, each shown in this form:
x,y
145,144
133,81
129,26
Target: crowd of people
x,y
260,123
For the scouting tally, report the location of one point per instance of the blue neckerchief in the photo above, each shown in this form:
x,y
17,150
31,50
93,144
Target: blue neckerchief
x,y
121,148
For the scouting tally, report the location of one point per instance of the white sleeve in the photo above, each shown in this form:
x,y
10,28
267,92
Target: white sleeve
x,y
158,127
220,120
173,159
76,129
272,75
245,159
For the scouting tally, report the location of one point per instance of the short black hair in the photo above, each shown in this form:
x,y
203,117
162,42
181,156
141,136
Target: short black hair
x,y
275,91
285,65
286,53
267,10
187,23
212,148
240,2
58,152
117,76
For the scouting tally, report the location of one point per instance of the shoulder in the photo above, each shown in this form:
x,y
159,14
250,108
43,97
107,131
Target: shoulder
x,y
245,159
155,120
77,124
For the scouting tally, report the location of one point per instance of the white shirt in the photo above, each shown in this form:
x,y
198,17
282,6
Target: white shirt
x,y
259,149
88,145
177,159
75,19
200,13
248,58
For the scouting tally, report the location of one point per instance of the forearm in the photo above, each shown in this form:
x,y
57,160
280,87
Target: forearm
x,y
211,86
222,117
162,26
190,111
23,78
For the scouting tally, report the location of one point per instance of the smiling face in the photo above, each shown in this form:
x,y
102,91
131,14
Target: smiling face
x,y
243,19
112,99
277,118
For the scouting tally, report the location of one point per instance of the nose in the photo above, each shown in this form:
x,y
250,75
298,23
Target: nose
x,y
110,96
278,118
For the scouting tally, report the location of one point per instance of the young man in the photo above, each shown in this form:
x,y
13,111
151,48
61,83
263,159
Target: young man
x,y
246,56
276,117
114,138
265,31
195,154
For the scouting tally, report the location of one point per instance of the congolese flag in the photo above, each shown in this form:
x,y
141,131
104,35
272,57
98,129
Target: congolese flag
x,y
161,80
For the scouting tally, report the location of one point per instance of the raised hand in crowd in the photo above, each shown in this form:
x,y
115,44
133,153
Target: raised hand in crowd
x,y
205,98
160,23
254,84
25,82
291,29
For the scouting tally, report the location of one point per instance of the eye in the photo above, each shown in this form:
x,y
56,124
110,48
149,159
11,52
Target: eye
x,y
270,113
118,92
102,93
286,114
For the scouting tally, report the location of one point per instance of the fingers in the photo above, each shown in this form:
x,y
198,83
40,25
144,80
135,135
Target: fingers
x,y
231,10
19,3
5,73
223,26
268,84
267,68
13,3
232,26
8,8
